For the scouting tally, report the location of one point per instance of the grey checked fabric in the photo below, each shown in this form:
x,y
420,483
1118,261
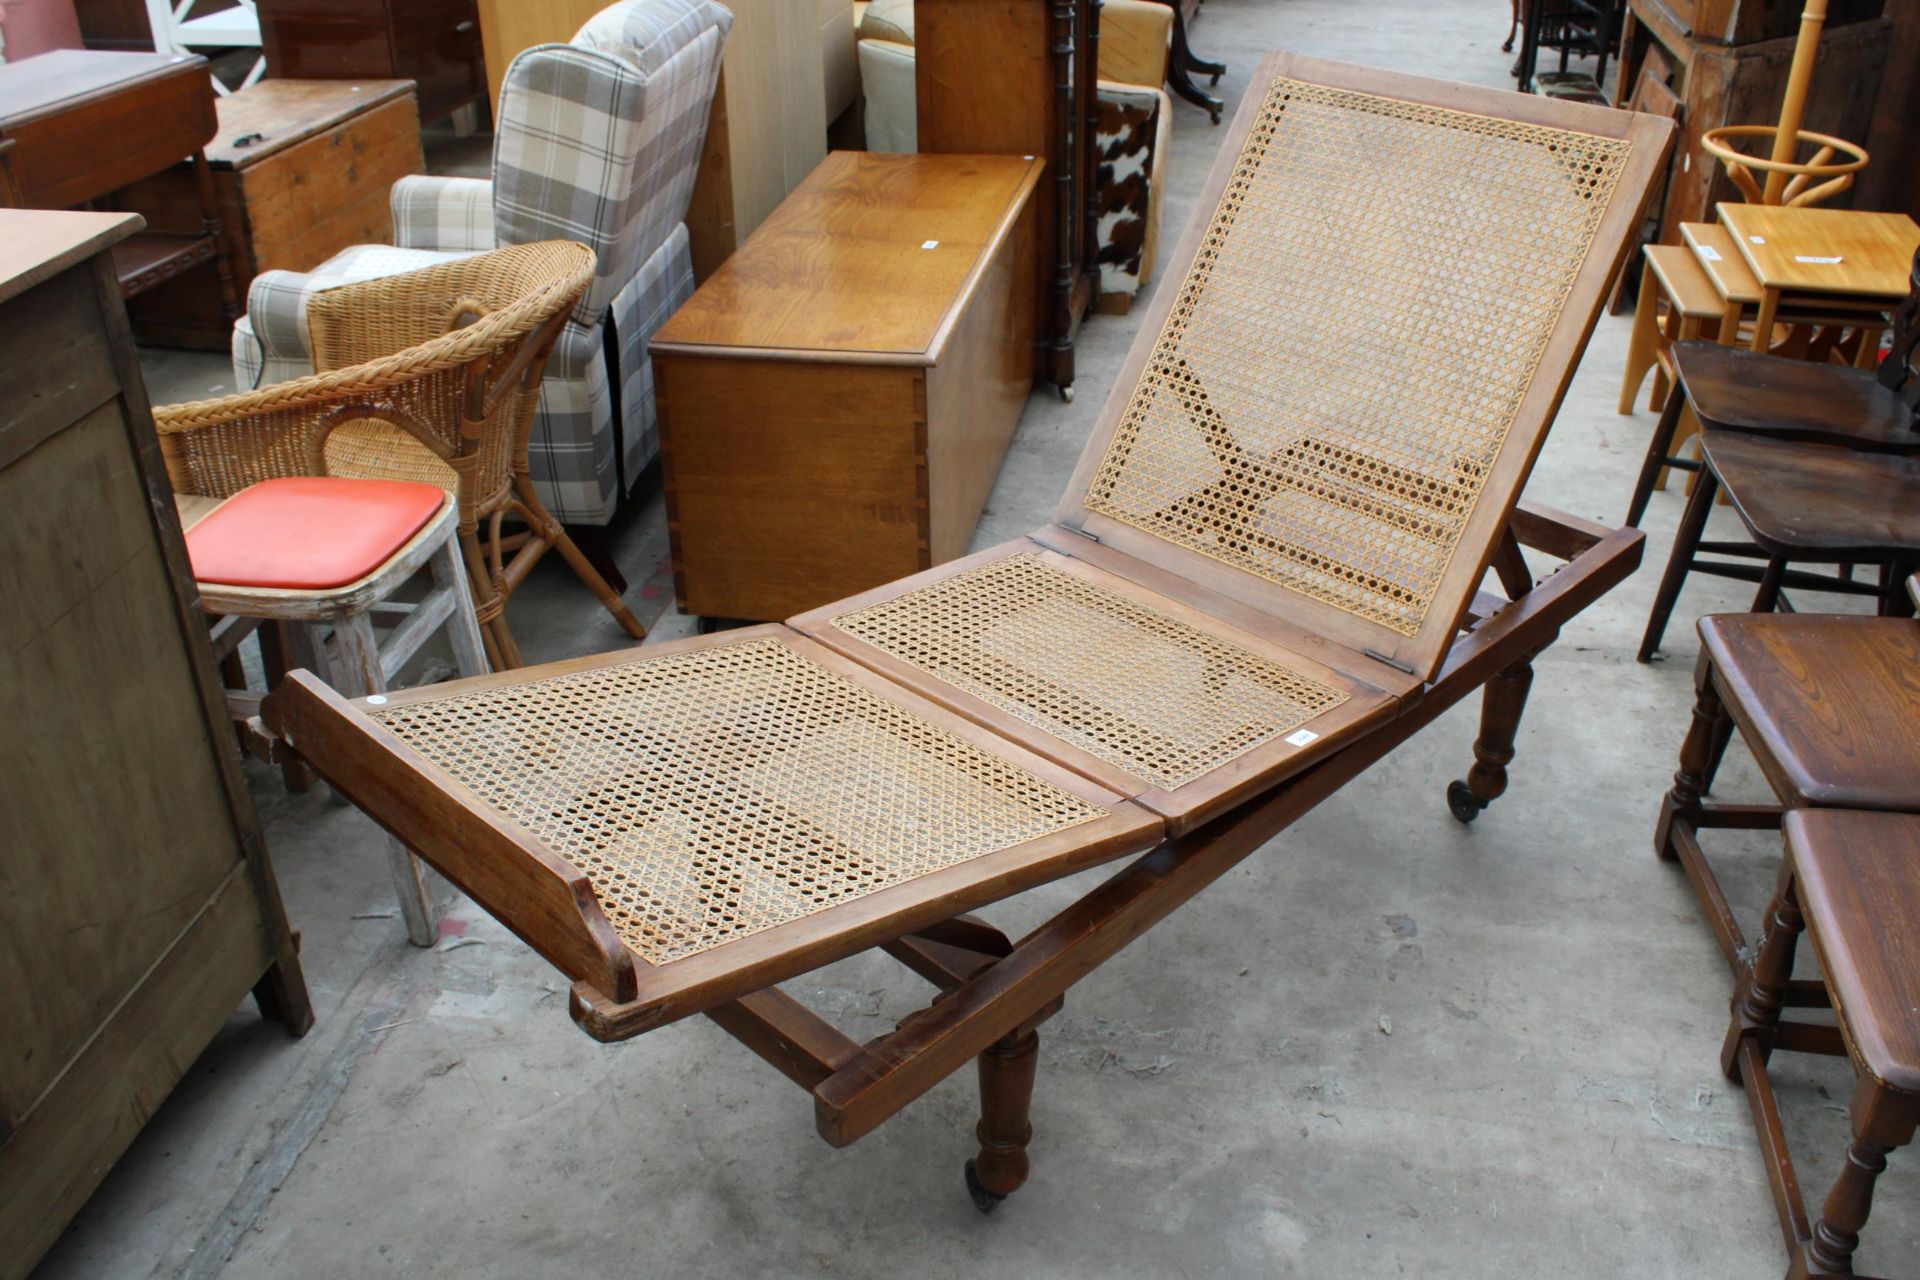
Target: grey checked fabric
x,y
598,141
443,213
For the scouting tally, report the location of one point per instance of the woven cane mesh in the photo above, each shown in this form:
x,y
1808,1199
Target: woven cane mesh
x,y
1142,691
398,358
1350,348
712,794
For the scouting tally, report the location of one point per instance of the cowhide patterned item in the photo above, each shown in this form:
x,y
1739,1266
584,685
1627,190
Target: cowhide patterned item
x,y
1126,127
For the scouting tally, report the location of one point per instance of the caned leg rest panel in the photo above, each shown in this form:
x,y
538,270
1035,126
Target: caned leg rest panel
x,y
1154,699
736,802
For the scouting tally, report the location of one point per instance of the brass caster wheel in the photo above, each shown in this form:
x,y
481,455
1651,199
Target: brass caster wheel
x,y
1463,803
983,1200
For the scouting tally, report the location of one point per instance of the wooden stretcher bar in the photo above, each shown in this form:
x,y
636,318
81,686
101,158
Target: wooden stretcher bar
x,y
1262,581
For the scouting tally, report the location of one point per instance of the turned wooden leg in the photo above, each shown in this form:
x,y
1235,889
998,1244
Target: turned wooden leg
x,y
1759,994
1881,1122
1502,702
1696,757
1006,1093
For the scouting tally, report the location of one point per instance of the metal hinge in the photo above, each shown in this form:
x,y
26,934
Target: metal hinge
x,y
1395,663
1074,528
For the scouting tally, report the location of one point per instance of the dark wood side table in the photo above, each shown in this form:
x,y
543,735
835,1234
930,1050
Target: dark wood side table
x,y
434,43
83,124
836,398
998,78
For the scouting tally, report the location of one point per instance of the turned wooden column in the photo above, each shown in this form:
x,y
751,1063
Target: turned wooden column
x,y
1501,705
1756,1008
1690,778
1881,1121
1006,1093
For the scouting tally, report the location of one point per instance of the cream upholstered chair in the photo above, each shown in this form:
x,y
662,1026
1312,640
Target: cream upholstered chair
x,y
1133,131
598,141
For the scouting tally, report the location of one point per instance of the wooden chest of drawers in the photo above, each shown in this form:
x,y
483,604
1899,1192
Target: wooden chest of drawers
x,y
836,399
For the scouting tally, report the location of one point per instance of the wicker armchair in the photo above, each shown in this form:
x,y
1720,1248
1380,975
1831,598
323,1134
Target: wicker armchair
x,y
432,375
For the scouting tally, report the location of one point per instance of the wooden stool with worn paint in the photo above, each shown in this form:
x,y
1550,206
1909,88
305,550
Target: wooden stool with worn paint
x,y
328,556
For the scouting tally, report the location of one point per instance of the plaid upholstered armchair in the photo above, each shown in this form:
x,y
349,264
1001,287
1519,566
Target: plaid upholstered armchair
x,y
597,141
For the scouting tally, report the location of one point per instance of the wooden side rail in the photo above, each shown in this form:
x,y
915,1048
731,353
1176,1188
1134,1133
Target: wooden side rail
x,y
895,1069
547,903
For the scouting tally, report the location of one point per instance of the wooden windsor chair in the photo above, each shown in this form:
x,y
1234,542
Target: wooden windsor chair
x,y
1266,574
429,376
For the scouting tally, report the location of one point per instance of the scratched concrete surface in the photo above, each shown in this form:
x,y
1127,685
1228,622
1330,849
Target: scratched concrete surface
x,y
1386,1044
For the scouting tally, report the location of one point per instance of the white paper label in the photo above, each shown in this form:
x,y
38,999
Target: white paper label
x,y
1301,737
377,700
1708,253
929,244
1827,262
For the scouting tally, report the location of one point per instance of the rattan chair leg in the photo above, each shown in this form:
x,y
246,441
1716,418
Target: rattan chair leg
x,y
557,536
489,604
357,675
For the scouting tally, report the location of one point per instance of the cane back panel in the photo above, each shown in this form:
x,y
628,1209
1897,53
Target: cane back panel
x,y
731,787
1356,344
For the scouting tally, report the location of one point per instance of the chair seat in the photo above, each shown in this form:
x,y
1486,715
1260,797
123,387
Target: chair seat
x,y
1829,704
1684,282
309,533
1816,502
1741,390
1859,887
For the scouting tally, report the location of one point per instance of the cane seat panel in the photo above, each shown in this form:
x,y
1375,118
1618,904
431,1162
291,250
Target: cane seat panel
x,y
1150,694
1354,345
729,788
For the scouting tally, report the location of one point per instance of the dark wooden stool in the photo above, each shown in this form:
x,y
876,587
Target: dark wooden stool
x,y
1801,504
1829,706
1851,881
1731,389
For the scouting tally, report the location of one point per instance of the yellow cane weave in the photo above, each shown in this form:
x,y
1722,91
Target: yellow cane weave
x,y
1352,343
1145,692
717,792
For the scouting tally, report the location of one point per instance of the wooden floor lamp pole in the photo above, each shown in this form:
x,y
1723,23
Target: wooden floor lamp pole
x,y
1786,138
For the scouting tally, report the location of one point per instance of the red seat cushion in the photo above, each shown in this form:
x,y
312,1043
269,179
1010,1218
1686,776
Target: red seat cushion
x,y
309,533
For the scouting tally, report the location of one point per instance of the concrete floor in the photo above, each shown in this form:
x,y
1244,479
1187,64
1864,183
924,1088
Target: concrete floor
x,y
1223,1098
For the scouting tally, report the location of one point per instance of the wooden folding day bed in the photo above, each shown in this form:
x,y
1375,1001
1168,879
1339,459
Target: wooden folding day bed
x,y
1266,574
